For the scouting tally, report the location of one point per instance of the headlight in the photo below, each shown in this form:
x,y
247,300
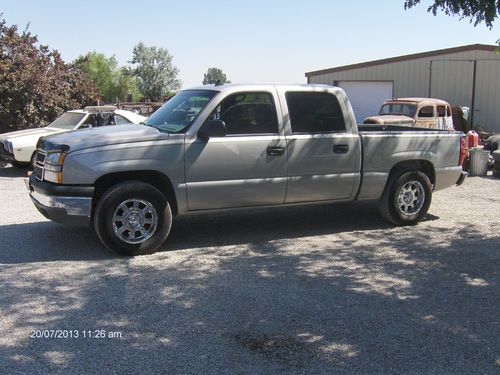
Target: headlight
x,y
55,158
53,166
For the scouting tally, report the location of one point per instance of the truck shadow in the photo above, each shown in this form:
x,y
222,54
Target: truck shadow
x,y
9,171
261,225
47,241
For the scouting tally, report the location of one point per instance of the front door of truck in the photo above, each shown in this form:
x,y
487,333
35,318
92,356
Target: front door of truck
x,y
247,167
323,153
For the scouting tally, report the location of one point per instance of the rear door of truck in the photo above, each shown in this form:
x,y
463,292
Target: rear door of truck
x,y
323,147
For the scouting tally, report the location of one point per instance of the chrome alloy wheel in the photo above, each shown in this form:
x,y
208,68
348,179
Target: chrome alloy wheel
x,y
411,198
135,221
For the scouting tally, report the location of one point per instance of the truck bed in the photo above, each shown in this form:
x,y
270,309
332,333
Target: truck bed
x,y
385,146
397,128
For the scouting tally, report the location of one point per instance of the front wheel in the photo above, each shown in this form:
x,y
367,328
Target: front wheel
x,y
133,218
407,199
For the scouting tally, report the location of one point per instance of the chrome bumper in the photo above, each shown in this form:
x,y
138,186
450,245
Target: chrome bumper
x,y
63,209
74,206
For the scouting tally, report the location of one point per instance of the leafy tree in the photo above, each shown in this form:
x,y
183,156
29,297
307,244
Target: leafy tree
x,y
477,11
213,76
114,84
156,75
36,85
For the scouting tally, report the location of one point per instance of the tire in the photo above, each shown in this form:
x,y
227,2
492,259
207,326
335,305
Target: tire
x,y
496,173
133,218
406,199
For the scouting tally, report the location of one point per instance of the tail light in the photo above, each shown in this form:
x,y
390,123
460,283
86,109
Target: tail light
x,y
463,150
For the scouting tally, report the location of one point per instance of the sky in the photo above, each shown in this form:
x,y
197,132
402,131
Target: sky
x,y
251,41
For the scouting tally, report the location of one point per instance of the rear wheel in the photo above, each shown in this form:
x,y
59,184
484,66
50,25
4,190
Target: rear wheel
x,y
133,218
406,199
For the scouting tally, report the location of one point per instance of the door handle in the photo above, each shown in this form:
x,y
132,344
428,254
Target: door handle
x,y
275,150
340,149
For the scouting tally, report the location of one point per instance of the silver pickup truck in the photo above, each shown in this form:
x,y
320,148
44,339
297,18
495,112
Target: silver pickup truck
x,y
237,146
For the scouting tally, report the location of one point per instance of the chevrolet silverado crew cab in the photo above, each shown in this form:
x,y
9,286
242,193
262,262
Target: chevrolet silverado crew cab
x,y
237,146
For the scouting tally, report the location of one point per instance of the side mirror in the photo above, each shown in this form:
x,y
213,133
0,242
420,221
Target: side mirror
x,y
86,126
213,128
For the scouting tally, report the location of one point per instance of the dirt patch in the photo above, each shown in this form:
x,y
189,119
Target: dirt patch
x,y
283,349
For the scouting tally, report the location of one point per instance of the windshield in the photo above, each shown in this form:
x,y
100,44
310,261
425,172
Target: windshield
x,y
398,109
68,120
176,115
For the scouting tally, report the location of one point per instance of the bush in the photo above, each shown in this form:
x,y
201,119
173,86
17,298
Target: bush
x,y
36,85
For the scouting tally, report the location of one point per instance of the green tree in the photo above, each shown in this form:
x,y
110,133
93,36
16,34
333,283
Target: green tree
x,y
114,84
477,11
36,85
213,76
155,73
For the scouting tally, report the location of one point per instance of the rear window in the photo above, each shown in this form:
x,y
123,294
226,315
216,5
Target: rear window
x,y
427,111
314,112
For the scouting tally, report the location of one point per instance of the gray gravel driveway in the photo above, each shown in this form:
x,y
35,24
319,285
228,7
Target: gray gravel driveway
x,y
317,290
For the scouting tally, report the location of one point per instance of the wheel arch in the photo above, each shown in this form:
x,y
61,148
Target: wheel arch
x,y
423,166
154,178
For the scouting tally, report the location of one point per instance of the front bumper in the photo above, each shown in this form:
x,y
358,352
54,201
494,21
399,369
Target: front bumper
x,y
461,179
61,203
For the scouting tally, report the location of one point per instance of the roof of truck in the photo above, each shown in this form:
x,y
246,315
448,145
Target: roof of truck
x,y
230,86
418,100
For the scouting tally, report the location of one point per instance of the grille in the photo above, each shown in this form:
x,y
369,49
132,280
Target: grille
x,y
38,172
40,157
38,168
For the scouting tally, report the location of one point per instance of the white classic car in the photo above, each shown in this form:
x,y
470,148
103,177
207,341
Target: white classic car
x,y
18,147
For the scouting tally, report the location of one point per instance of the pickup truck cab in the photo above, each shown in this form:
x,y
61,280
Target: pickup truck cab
x,y
237,146
18,147
418,112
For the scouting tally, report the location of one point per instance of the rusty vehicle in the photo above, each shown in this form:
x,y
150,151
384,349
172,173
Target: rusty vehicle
x,y
416,112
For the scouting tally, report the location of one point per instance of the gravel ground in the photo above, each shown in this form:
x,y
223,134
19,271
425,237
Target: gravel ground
x,y
319,290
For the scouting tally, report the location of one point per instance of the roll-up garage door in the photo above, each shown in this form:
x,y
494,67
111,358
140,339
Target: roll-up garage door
x,y
366,96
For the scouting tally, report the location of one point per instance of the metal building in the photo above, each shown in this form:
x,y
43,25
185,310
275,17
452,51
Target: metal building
x,y
467,76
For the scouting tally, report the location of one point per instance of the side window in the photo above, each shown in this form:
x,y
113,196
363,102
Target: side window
x,y
89,122
104,119
248,113
120,120
315,112
427,111
448,111
441,111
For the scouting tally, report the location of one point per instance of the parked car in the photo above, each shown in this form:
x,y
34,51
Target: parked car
x,y
238,146
418,112
18,147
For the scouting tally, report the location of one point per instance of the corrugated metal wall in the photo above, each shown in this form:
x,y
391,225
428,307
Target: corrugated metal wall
x,y
449,76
